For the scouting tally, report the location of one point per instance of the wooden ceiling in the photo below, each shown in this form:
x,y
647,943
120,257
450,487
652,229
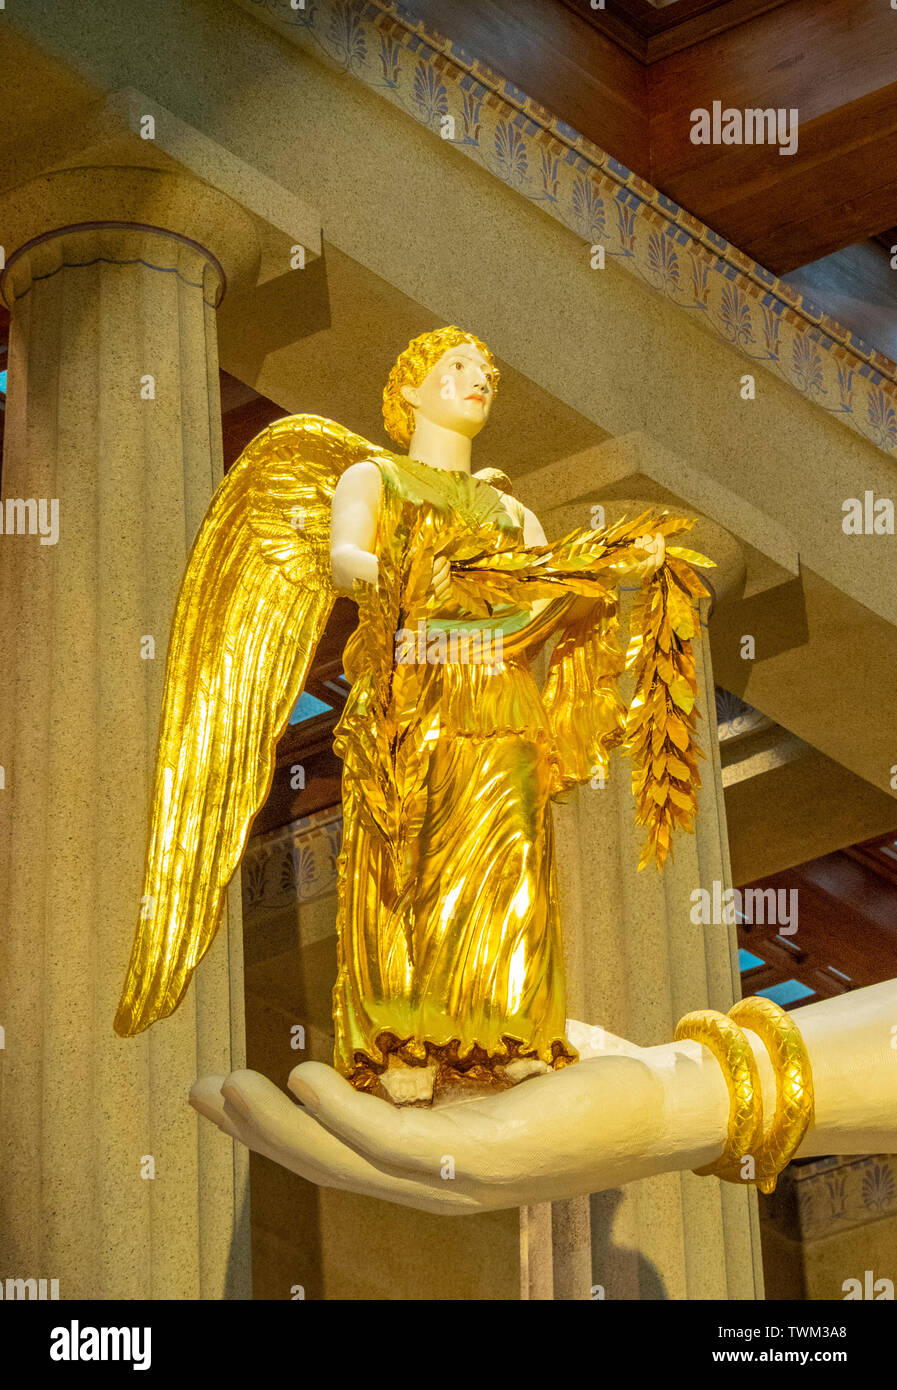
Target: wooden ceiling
x,y
629,76
651,29
846,935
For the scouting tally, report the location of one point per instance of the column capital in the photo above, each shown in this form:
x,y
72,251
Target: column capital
x,y
128,160
125,214
639,466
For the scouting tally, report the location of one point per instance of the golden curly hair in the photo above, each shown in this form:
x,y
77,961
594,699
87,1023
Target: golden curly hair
x,y
412,367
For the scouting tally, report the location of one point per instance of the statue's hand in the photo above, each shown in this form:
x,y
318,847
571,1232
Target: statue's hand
x,y
252,1110
622,1113
655,545
348,563
555,1136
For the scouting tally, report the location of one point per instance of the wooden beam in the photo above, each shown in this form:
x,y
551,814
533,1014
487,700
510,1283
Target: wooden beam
x,y
847,927
834,62
560,60
651,34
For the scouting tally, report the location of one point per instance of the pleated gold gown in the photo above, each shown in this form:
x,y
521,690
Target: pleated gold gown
x,y
449,933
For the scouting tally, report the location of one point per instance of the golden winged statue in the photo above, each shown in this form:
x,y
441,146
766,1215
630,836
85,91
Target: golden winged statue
x,y
450,962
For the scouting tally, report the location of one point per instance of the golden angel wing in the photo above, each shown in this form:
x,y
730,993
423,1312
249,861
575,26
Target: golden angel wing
x,y
253,604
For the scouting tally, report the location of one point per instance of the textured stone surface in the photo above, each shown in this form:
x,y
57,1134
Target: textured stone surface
x,y
82,1109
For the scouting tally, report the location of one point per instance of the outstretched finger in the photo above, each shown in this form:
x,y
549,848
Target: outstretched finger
x,y
220,1099
261,1116
205,1097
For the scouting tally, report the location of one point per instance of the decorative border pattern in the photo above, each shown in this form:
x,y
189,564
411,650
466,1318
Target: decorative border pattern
x,y
834,1194
526,147
295,863
735,718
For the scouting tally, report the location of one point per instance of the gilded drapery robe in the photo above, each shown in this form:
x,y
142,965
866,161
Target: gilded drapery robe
x,y
449,943
449,931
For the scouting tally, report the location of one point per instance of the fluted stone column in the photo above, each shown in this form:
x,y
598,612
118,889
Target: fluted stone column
x,y
635,965
109,1183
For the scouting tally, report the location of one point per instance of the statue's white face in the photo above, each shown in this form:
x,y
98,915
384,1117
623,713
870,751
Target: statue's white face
x,y
458,392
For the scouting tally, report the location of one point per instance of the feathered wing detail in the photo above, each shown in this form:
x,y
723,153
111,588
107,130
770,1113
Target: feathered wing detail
x,y
252,606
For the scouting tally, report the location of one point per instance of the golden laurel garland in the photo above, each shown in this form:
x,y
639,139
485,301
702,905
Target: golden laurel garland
x,y
659,729
771,1146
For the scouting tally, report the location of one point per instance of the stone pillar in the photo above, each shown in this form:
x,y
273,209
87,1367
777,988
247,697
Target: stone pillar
x,y
109,1183
635,965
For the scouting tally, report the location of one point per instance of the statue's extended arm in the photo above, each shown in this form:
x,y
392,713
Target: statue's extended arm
x,y
353,526
620,1114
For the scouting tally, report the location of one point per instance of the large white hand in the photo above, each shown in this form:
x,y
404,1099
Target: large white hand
x,y
252,1110
620,1114
586,1127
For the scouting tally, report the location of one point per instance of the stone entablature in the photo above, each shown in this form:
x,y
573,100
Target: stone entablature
x,y
520,142
296,862
834,1194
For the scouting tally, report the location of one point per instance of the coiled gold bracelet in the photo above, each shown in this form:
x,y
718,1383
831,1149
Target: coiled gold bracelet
x,y
770,1148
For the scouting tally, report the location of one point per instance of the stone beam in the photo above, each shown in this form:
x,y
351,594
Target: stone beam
x,y
128,130
657,342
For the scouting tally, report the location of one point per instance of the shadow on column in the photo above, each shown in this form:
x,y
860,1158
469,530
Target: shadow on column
x,y
623,1274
